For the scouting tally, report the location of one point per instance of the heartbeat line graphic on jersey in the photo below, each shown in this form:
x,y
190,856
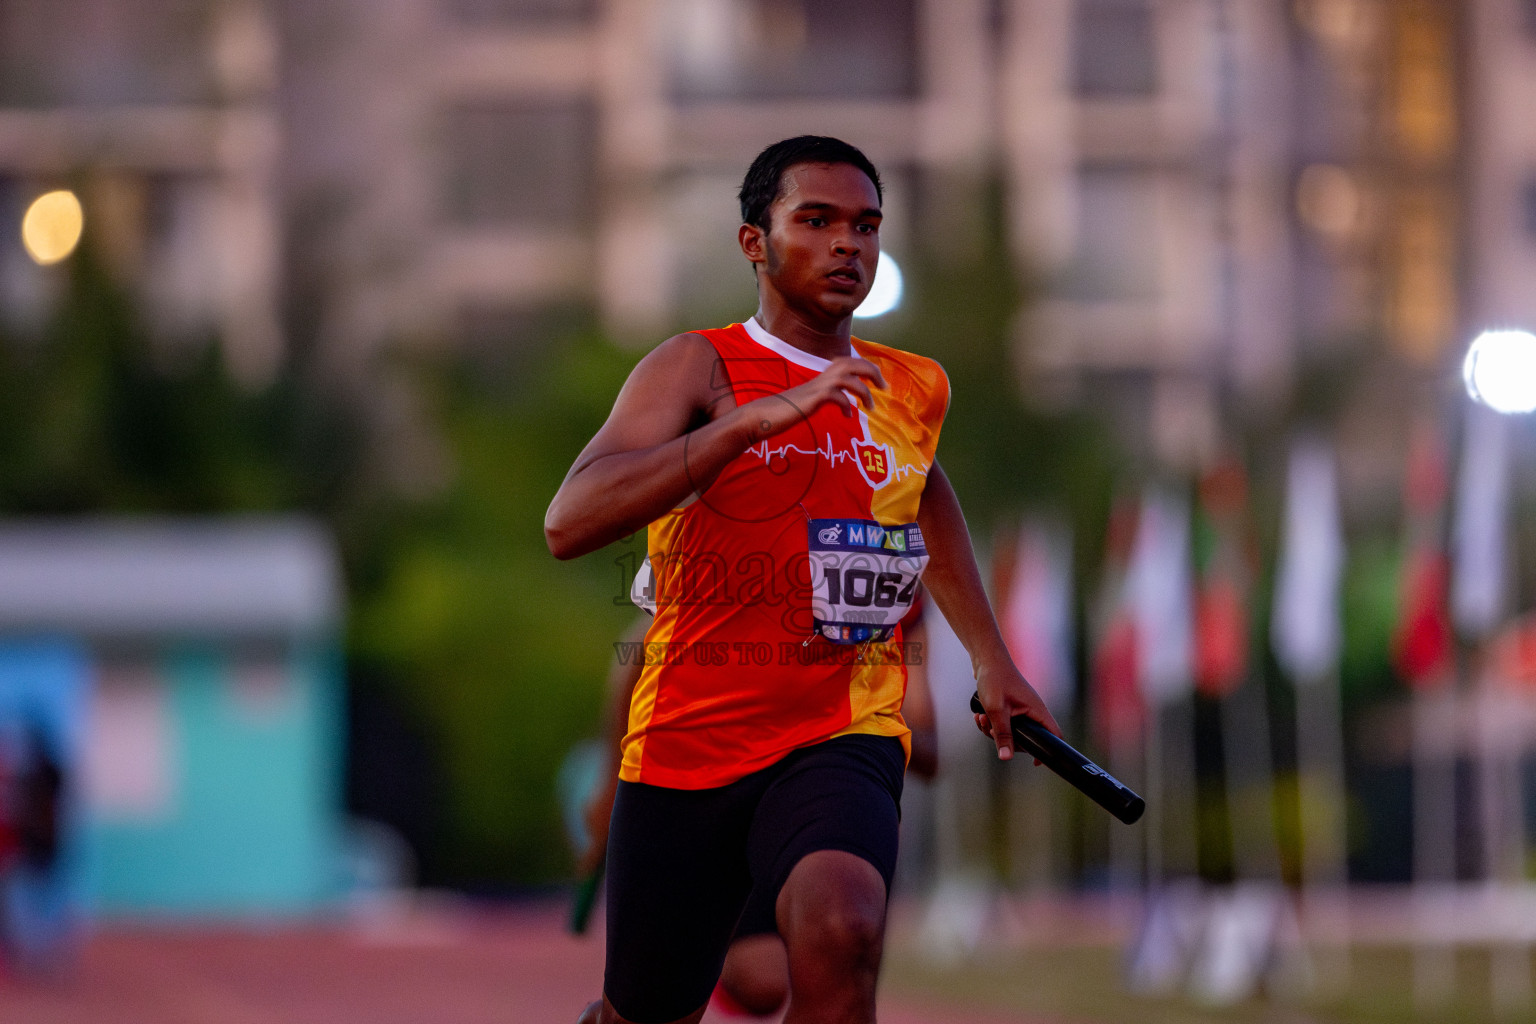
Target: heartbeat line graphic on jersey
x,y
874,461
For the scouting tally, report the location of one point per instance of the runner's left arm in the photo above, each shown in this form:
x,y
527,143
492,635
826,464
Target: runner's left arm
x,y
955,583
917,705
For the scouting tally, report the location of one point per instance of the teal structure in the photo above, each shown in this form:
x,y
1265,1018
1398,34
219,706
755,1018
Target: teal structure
x,y
210,764
255,824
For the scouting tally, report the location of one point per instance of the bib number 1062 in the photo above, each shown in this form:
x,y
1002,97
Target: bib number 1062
x,y
861,588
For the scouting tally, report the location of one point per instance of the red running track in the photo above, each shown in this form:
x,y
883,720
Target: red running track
x,y
452,965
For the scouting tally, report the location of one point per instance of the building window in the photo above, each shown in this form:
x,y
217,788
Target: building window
x,y
1117,236
524,165
519,12
789,49
83,52
1115,49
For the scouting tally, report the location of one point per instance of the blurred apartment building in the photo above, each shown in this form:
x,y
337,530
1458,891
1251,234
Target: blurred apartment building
x,y
1208,195
1501,181
160,114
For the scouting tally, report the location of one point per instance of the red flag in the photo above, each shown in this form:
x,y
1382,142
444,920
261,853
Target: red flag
x,y
1221,597
1221,637
1422,641
1512,654
1117,711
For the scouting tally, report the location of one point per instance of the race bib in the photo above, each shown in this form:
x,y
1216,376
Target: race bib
x,y
864,577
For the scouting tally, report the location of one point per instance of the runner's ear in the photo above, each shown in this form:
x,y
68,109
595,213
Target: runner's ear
x,y
753,243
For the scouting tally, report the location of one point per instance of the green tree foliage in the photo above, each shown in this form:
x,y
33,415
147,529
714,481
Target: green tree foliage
x,y
94,420
503,648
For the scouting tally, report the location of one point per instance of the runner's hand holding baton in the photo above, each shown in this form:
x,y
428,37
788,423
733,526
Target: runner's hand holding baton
x,y
1065,760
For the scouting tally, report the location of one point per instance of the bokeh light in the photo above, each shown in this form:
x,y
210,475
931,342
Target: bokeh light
x,y
1500,370
51,227
885,294
1329,201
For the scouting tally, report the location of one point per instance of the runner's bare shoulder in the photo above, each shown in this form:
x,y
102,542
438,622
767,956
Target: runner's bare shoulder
x,y
668,393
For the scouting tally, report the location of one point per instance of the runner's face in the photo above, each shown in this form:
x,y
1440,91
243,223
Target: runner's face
x,y
823,238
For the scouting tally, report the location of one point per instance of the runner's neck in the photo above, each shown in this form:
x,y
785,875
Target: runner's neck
x,y
794,353
794,332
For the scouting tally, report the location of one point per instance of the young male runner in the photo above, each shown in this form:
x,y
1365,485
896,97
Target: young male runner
x,y
786,474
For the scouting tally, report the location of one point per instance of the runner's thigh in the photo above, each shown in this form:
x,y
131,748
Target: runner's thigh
x,y
843,794
677,880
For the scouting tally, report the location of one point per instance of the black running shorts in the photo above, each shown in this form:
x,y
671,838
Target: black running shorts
x,y
682,862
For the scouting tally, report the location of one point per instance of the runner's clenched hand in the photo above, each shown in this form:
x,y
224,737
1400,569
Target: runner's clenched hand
x,y
843,383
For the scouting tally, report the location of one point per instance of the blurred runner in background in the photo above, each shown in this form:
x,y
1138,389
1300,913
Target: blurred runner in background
x,y
10,847
36,922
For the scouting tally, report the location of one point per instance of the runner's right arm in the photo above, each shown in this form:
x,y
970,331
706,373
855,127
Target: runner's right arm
x,y
623,674
673,428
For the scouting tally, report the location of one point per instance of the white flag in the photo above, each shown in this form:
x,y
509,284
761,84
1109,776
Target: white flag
x,y
1480,584
1305,626
1037,615
1161,582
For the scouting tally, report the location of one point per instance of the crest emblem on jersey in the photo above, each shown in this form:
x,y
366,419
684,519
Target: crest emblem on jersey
x,y
874,461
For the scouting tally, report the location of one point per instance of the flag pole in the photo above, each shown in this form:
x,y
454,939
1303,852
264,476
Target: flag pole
x,y
1479,602
1160,587
1033,578
1434,840
1306,631
1423,656
1324,798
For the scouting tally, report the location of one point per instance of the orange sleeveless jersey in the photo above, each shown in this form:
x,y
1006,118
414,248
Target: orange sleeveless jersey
x,y
730,683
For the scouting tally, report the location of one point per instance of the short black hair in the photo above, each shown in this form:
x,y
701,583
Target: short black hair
x,y
761,185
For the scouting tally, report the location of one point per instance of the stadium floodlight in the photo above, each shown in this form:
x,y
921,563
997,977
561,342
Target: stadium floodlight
x,y
1500,370
885,294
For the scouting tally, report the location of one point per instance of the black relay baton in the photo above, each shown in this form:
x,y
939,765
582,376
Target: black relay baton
x,y
1067,761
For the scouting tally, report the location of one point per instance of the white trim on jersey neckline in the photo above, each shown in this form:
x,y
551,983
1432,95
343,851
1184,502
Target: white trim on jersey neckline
x,y
759,334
